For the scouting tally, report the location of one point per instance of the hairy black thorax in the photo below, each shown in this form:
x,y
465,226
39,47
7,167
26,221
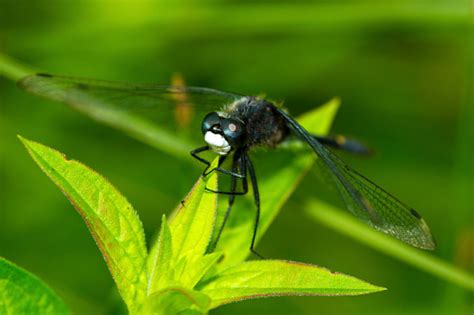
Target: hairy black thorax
x,y
264,126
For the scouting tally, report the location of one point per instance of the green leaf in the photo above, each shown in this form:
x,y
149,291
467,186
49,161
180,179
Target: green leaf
x,y
23,293
112,221
177,258
193,221
199,268
164,271
159,260
177,300
264,278
279,175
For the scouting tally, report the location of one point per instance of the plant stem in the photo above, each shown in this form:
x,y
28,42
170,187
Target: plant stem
x,y
13,69
348,225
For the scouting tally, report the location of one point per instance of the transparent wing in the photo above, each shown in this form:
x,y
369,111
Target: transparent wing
x,y
366,200
172,107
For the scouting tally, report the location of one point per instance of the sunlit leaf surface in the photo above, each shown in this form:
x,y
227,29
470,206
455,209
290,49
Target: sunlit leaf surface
x,y
176,300
257,279
112,221
23,293
193,221
159,260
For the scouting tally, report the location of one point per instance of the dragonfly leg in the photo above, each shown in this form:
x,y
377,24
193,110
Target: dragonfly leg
x,y
194,154
256,194
223,171
234,176
237,162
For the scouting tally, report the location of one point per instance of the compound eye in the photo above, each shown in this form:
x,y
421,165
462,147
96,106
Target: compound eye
x,y
233,131
209,121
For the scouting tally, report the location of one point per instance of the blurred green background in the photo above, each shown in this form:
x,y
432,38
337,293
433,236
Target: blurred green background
x,y
402,69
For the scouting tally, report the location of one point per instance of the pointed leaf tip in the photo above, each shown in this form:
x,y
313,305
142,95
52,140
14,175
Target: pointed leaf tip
x,y
265,278
319,120
112,221
159,261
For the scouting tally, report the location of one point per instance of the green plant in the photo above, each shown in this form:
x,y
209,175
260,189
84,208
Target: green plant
x,y
177,275
23,293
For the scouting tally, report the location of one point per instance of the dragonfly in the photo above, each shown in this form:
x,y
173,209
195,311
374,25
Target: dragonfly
x,y
231,125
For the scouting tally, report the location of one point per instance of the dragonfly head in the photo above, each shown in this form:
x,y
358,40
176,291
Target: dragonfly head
x,y
222,134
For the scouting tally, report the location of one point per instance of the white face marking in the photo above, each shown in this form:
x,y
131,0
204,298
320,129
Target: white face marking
x,y
217,143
